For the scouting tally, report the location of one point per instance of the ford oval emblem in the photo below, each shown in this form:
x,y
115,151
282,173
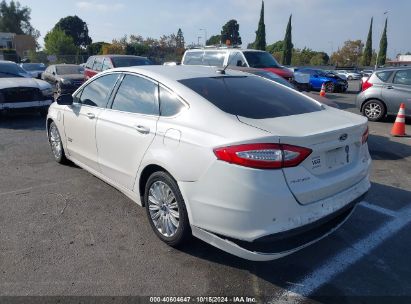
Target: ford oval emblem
x,y
343,137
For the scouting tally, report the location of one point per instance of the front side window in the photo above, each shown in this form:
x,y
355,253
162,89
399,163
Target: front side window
x,y
251,96
96,93
170,104
107,64
236,59
403,77
90,62
136,95
120,62
260,60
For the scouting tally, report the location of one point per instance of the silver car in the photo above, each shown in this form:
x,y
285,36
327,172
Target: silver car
x,y
383,93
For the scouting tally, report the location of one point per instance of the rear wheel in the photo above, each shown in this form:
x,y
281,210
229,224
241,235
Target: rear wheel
x,y
329,87
374,110
166,210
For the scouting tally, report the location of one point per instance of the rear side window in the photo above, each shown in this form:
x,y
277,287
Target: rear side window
x,y
403,77
120,62
170,104
384,76
96,93
251,96
98,64
193,58
136,95
213,58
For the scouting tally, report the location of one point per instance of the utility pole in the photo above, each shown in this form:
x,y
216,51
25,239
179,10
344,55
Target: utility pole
x,y
205,36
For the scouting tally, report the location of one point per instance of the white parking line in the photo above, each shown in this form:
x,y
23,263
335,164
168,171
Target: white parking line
x,y
348,257
379,209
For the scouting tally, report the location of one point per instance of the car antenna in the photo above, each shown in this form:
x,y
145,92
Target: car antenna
x,y
222,71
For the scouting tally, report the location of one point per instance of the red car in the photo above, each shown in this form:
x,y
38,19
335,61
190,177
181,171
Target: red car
x,y
99,63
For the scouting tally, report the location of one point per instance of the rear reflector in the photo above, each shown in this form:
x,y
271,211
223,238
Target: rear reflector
x,y
263,156
364,138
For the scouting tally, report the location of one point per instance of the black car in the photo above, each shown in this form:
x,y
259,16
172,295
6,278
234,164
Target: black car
x,y
65,77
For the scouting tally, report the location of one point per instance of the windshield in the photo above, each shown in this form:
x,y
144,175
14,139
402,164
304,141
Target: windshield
x,y
34,66
120,62
69,69
260,60
251,96
11,70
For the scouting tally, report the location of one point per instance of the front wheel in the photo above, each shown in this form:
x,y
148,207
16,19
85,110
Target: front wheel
x,y
166,209
374,110
56,144
329,87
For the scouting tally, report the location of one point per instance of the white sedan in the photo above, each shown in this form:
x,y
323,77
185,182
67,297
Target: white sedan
x,y
241,162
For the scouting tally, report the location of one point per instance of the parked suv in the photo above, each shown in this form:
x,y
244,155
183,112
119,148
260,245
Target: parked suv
x,y
99,63
383,93
236,57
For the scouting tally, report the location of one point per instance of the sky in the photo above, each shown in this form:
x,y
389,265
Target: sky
x,y
322,25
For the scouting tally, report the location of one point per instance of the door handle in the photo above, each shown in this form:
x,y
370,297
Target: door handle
x,y
142,129
91,115
390,87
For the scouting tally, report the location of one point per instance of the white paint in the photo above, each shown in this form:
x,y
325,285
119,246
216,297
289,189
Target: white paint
x,y
379,209
348,257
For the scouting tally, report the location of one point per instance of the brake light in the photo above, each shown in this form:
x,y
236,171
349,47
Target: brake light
x,y
263,156
364,138
366,85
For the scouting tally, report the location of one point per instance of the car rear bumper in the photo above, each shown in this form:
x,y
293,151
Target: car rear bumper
x,y
278,245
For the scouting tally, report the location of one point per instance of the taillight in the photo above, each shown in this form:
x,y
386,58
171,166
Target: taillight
x,y
365,136
366,85
263,156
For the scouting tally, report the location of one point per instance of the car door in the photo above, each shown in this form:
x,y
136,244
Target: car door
x,y
127,128
80,119
398,91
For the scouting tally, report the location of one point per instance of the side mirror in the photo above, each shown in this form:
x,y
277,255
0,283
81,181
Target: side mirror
x,y
65,100
54,73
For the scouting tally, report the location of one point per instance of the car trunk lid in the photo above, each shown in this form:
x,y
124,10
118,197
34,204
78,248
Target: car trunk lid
x,y
338,159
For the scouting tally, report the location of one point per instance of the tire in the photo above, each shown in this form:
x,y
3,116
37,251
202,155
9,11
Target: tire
x,y
58,88
163,202
56,144
374,110
329,87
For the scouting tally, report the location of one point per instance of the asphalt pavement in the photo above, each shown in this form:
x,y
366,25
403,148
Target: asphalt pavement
x,y
64,232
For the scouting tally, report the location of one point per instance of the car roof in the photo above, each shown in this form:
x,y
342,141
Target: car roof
x,y
64,64
119,56
225,49
178,72
393,68
7,62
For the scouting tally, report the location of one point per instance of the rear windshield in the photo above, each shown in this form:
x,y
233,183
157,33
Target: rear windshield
x,y
260,60
251,96
120,62
34,66
69,69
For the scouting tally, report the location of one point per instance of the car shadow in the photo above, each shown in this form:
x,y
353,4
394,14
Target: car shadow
x,y
23,121
289,270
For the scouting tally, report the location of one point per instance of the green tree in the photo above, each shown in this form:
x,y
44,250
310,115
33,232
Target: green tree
x,y
213,40
367,55
349,54
76,28
16,19
382,54
57,42
230,32
180,39
96,48
276,47
260,42
288,45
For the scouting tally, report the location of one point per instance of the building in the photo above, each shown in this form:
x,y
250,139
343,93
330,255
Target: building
x,y
21,43
402,60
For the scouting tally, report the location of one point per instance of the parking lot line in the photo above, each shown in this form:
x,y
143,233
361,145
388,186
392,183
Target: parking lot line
x,y
348,257
379,209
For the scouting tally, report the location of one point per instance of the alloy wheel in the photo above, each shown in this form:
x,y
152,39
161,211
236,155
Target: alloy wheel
x,y
163,208
55,141
373,110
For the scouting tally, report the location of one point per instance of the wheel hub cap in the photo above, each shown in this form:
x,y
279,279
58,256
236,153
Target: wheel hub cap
x,y
163,209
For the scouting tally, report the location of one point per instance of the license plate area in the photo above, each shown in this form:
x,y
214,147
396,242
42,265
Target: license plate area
x,y
338,157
